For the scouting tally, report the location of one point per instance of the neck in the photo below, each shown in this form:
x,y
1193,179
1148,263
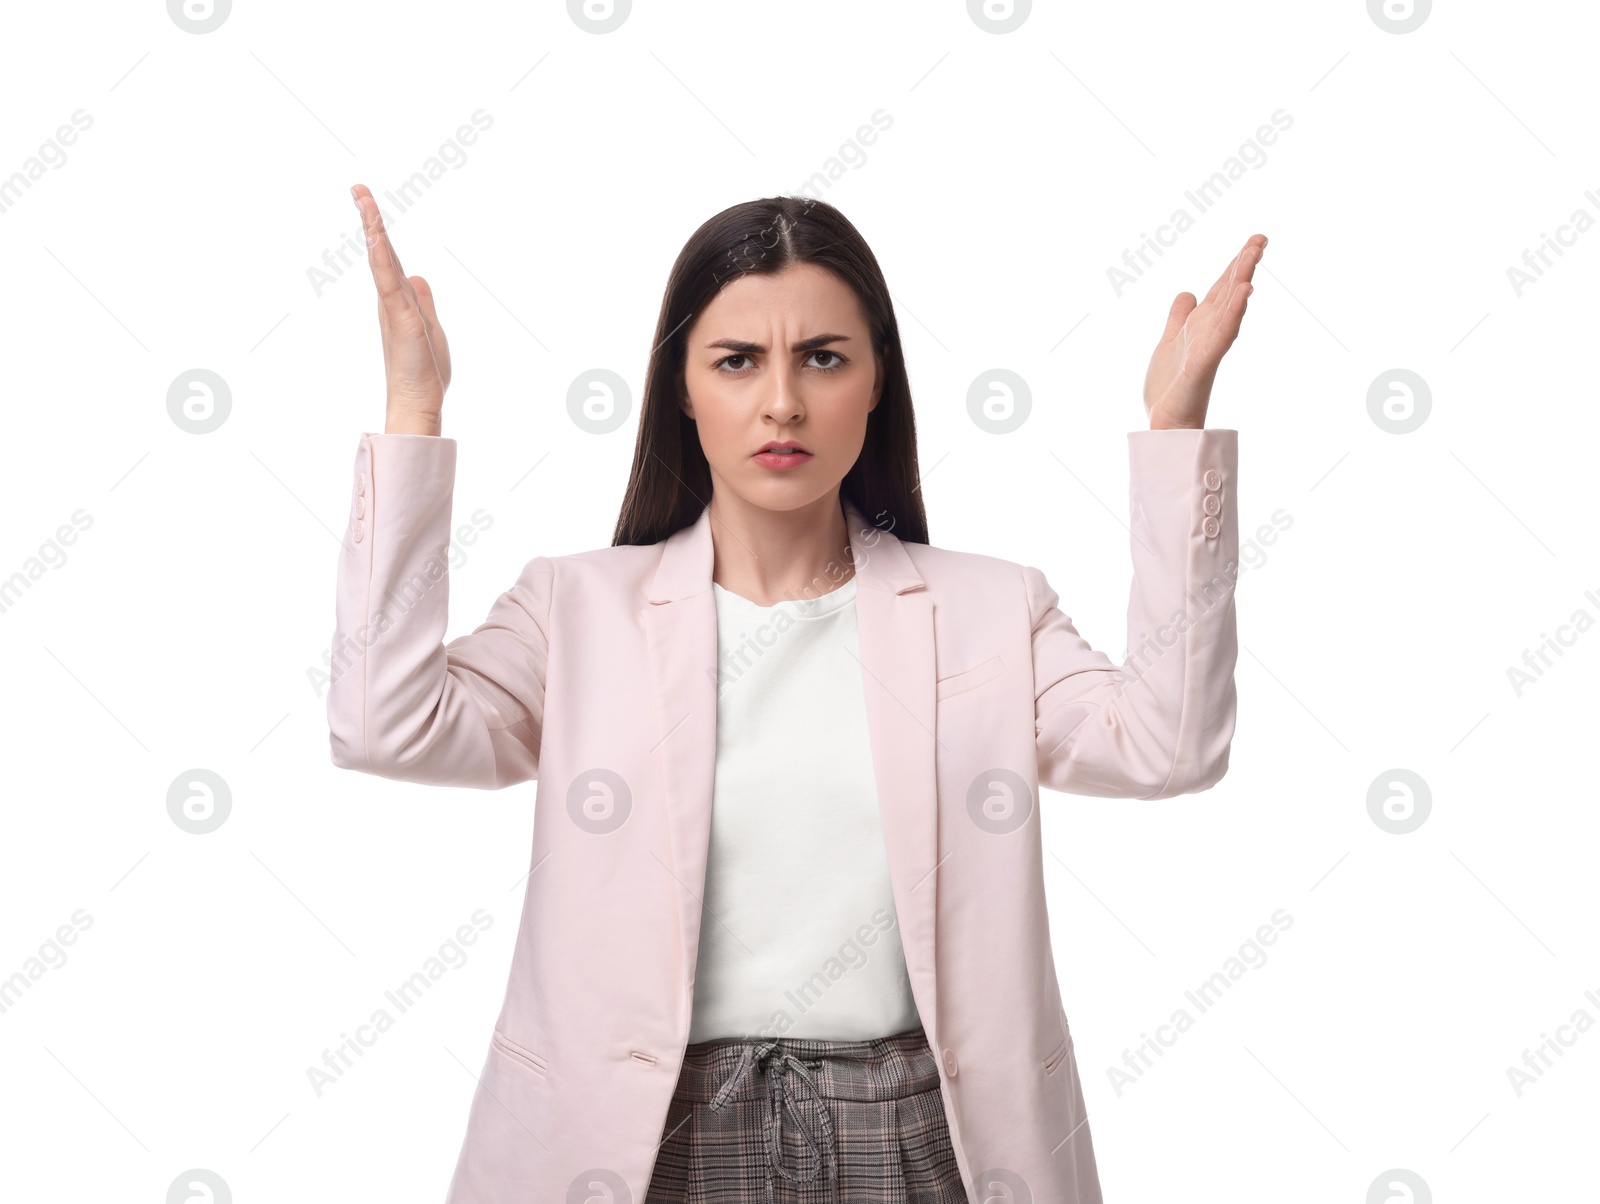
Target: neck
x,y
771,556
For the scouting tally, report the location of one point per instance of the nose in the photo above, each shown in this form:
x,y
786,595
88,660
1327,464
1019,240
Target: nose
x,y
782,401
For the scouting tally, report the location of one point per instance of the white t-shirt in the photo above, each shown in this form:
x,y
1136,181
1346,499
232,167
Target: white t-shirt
x,y
798,936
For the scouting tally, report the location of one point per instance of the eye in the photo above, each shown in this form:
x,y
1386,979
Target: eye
x,y
728,364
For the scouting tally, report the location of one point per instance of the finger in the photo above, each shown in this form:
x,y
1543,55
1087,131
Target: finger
x,y
385,264
1182,306
424,295
436,339
1241,267
1233,316
1249,255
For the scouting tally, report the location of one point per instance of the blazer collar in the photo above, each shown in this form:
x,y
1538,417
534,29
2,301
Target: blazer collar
x,y
687,558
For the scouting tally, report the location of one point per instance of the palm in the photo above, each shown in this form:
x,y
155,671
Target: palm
x,y
1177,386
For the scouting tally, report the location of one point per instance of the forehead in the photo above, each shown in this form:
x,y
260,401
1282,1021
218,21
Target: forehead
x,y
801,292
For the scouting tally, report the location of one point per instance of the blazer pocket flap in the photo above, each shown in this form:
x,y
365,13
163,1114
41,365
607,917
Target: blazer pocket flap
x,y
518,1053
1054,1059
967,679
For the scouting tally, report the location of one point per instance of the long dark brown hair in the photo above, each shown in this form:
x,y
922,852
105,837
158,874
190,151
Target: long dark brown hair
x,y
670,483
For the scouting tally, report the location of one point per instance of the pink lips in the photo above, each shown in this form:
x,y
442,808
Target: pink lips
x,y
781,460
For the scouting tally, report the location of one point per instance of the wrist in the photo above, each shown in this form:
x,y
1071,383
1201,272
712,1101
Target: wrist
x,y
411,424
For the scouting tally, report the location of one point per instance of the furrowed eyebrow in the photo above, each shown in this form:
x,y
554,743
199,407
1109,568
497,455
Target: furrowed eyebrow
x,y
740,347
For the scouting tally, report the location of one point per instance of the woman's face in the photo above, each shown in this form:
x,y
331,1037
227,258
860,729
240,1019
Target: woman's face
x,y
783,357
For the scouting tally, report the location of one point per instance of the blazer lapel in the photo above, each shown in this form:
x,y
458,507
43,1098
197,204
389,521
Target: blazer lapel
x,y
894,617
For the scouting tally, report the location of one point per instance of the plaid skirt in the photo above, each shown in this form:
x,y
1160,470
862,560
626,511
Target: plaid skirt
x,y
795,1121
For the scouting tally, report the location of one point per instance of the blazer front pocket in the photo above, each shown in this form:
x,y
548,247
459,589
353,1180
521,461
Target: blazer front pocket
x,y
968,679
1062,1050
520,1054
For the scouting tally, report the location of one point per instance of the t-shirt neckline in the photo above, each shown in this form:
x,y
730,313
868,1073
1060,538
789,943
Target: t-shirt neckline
x,y
800,608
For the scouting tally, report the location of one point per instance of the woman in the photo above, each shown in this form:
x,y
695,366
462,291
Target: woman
x,y
837,982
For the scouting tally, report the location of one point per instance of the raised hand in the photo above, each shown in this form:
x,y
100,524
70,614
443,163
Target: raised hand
x,y
1177,386
416,356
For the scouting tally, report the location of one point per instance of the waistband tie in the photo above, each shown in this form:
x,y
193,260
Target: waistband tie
x,y
776,1075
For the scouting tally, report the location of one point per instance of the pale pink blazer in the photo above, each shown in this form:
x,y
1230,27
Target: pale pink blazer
x,y
596,675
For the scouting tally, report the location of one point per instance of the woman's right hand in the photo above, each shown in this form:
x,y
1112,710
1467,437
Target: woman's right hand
x,y
416,357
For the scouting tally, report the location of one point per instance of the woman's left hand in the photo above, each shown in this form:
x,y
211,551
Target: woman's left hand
x,y
1177,387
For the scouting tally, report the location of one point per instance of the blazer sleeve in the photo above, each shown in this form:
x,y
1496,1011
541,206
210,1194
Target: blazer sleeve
x,y
402,703
1161,723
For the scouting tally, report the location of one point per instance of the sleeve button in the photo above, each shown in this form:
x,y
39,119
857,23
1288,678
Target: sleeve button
x,y
361,508
1213,479
1211,526
358,533
1212,504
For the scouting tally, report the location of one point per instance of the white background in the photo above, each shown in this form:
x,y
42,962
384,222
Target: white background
x,y
181,629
